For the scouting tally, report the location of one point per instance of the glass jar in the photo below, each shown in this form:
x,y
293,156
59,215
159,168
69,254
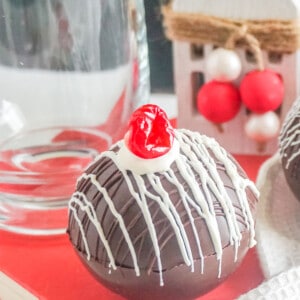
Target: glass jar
x,y
71,72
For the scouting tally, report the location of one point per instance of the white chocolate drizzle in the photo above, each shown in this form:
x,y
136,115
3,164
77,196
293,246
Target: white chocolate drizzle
x,y
197,158
290,134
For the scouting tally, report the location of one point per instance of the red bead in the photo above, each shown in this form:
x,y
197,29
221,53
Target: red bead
x,y
150,133
218,101
262,91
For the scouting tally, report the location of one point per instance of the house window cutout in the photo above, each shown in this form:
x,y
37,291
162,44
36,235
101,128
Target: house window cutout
x,y
198,80
197,51
250,57
275,57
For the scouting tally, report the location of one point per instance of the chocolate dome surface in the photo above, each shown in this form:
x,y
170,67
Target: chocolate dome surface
x,y
173,234
289,148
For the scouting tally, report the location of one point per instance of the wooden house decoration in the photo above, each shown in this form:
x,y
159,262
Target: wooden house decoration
x,y
278,18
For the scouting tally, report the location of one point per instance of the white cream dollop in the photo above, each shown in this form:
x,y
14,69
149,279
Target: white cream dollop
x,y
126,160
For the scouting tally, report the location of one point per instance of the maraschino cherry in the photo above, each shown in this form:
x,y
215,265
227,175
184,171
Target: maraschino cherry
x,y
150,133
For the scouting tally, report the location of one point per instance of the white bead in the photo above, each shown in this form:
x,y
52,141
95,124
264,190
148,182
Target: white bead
x,y
223,65
263,127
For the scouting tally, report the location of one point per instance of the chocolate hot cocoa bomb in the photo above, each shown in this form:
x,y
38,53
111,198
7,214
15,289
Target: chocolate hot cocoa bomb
x,y
289,148
164,214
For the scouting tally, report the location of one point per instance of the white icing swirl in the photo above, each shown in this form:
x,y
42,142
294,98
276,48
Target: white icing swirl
x,y
197,158
128,161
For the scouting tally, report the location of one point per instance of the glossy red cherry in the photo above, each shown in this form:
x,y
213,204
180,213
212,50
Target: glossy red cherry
x,y
262,91
218,101
150,133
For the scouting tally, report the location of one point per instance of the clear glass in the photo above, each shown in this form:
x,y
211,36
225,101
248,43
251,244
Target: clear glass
x,y
71,71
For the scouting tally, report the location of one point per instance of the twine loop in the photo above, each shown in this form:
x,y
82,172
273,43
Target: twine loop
x,y
241,33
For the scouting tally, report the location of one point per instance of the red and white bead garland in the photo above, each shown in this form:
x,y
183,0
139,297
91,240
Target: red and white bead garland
x,y
219,100
261,91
